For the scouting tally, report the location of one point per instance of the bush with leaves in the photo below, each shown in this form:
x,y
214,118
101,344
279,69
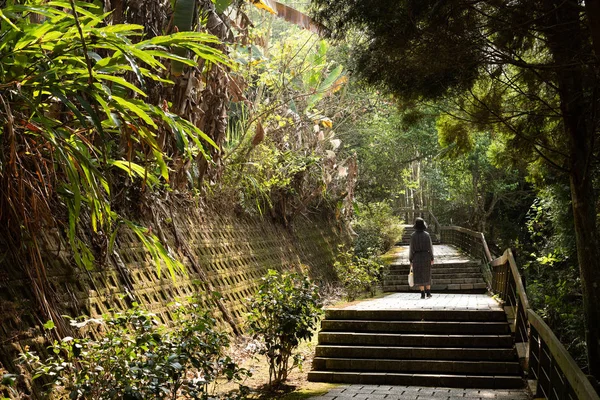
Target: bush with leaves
x,y
285,311
358,274
7,383
78,125
377,229
138,358
282,153
550,269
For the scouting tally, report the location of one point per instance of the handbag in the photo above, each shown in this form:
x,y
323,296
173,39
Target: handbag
x,y
411,278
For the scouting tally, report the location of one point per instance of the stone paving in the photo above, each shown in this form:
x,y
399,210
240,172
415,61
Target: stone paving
x,y
442,253
378,392
412,301
438,301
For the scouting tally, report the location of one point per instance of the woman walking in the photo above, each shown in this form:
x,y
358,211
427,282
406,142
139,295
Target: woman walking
x,y
421,257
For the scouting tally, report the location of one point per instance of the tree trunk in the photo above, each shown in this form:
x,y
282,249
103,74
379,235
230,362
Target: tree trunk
x,y
592,10
477,207
418,199
588,253
567,44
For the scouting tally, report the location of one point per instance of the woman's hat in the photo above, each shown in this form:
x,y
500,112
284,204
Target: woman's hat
x,y
420,224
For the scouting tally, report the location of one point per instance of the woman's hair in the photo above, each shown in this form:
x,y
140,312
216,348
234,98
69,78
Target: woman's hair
x,y
420,224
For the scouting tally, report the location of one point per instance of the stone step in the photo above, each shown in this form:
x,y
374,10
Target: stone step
x,y
417,366
425,347
460,287
437,380
402,266
436,280
415,340
448,327
399,281
416,315
418,353
406,242
438,273
436,269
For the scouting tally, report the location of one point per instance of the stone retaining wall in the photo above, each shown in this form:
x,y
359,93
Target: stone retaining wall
x,y
231,255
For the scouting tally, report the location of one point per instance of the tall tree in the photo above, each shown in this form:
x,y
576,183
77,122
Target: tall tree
x,y
537,53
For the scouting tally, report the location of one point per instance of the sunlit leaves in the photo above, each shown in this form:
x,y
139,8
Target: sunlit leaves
x,y
81,105
282,147
137,357
455,133
326,86
284,312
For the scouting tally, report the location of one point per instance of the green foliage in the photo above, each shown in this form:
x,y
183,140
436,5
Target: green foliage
x,y
138,358
388,143
455,133
358,274
395,53
476,185
7,383
377,229
278,178
551,273
77,121
281,151
284,312
360,270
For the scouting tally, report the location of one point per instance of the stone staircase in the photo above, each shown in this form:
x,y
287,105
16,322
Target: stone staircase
x,y
407,233
443,348
462,276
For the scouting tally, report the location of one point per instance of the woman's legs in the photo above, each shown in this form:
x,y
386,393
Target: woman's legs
x,y
428,290
422,288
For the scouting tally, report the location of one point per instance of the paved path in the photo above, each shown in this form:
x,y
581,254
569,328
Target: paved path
x,y
438,301
442,253
378,392
412,301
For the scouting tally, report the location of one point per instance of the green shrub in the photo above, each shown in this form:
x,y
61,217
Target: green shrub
x,y
7,382
377,229
138,358
285,311
358,274
549,261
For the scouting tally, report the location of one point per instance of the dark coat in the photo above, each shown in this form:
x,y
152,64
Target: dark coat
x,y
420,256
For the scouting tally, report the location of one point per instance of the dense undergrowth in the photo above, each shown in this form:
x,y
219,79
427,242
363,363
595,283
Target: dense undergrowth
x,y
132,355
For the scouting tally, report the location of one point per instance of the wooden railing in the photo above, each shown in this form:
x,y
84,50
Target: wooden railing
x,y
472,243
508,286
557,375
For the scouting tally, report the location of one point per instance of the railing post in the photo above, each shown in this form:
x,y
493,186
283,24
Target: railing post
x,y
520,334
545,368
534,356
505,277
